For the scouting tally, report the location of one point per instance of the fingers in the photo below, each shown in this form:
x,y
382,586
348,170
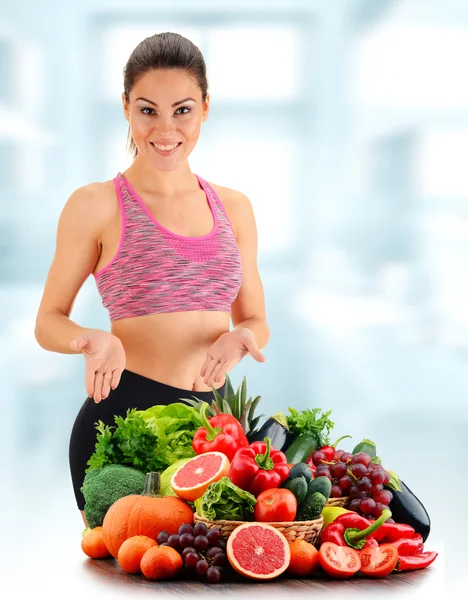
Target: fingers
x,y
212,364
116,374
89,380
208,359
106,384
100,379
218,373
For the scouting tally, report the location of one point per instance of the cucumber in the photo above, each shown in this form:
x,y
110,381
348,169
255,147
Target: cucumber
x,y
320,484
298,486
312,507
301,449
300,470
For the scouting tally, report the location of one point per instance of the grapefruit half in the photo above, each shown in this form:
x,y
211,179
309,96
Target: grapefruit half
x,y
190,481
258,551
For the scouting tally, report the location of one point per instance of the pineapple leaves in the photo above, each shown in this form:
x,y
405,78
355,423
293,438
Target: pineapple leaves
x,y
235,404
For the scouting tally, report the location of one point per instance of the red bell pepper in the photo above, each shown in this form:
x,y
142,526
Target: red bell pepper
x,y
352,530
409,546
222,433
258,467
416,561
391,532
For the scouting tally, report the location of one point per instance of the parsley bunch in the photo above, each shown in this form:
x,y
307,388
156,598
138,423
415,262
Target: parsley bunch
x,y
130,442
311,422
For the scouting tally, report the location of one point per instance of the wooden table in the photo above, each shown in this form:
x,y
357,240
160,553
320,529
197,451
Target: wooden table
x,y
402,585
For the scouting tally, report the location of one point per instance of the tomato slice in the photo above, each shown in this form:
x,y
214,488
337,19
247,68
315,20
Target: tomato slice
x,y
339,561
378,561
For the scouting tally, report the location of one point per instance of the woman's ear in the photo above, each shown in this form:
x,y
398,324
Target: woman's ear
x,y
126,107
206,108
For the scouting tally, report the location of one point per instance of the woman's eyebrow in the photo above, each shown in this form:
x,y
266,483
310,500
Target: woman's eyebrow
x,y
175,103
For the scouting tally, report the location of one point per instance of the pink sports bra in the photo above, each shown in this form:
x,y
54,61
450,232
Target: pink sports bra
x,y
157,271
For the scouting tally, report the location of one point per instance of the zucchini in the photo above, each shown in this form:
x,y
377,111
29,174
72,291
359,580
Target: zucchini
x,y
312,507
320,484
298,486
301,449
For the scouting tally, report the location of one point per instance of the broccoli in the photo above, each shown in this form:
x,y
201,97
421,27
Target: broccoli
x,y
102,487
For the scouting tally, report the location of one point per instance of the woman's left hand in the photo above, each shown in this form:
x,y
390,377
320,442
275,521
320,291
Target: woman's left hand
x,y
228,350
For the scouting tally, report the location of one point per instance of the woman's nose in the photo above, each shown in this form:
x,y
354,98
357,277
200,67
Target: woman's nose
x,y
165,125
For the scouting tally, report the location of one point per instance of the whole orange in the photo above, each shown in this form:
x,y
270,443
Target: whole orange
x,y
161,562
304,559
132,550
92,544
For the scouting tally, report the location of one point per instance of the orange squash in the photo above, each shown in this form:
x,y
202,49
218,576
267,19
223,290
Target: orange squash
x,y
147,514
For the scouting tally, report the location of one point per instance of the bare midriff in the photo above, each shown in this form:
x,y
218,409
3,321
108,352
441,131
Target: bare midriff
x,y
171,347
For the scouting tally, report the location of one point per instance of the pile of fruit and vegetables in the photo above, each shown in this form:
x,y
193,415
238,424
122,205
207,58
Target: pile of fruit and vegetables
x,y
199,491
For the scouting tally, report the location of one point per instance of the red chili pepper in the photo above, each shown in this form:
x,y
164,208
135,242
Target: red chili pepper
x,y
222,433
409,546
258,467
417,561
354,536
391,532
329,450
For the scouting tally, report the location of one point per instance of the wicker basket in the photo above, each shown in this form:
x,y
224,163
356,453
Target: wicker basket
x,y
337,501
292,530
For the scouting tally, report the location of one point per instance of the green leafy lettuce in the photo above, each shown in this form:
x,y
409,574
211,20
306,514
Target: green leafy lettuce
x,y
224,500
149,440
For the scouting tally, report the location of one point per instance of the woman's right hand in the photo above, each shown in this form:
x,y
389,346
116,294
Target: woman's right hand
x,y
105,361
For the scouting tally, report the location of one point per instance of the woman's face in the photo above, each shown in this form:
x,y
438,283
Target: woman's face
x,y
165,109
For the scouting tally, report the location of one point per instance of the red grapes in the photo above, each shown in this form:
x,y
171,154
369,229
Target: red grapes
x,y
203,551
356,477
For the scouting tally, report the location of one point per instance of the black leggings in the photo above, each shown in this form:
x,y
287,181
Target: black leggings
x,y
133,391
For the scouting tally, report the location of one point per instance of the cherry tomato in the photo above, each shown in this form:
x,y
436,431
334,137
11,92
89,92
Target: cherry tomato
x,y
378,561
277,504
339,561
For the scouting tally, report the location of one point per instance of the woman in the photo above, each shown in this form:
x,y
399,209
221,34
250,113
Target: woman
x,y
174,259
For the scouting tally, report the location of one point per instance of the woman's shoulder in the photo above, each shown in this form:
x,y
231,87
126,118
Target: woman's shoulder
x,y
96,190
95,202
236,203
227,194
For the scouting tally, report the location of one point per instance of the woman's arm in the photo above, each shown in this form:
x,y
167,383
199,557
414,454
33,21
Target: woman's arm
x,y
248,309
76,254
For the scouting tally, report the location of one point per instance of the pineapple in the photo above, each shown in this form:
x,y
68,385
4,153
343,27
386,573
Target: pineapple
x,y
233,404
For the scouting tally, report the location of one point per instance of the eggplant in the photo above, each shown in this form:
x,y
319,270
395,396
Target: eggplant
x,y
407,508
276,428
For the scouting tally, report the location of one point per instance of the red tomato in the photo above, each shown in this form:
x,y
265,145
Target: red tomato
x,y
339,561
277,504
378,561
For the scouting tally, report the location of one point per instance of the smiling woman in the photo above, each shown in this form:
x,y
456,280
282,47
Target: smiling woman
x,y
174,258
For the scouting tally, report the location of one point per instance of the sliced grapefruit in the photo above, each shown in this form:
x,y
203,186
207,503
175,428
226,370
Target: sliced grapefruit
x,y
258,551
191,479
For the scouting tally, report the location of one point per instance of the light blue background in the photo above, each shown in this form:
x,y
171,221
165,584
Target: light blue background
x,y
346,124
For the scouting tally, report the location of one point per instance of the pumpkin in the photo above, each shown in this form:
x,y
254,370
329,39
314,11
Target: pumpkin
x,y
147,514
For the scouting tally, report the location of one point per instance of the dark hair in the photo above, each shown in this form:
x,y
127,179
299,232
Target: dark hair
x,y
163,51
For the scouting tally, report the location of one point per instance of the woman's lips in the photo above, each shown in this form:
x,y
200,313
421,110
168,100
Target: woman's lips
x,y
166,152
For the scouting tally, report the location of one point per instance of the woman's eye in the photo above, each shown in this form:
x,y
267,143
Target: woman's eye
x,y
186,108
146,108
